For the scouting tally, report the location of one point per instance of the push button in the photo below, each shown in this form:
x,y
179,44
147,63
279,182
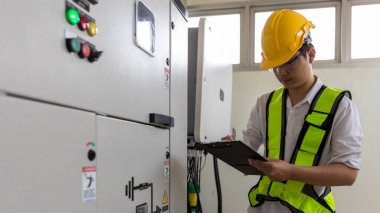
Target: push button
x,y
92,29
72,16
73,45
83,23
85,51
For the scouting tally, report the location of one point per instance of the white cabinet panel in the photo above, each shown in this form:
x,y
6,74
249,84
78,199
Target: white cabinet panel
x,y
213,87
125,81
178,106
130,150
43,150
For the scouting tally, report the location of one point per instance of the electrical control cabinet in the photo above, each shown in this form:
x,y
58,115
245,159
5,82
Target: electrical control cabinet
x,y
44,149
125,81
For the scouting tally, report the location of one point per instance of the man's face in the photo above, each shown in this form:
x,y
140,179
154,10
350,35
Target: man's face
x,y
296,72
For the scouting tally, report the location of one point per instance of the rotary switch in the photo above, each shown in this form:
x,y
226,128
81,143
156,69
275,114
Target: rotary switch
x,y
91,155
94,55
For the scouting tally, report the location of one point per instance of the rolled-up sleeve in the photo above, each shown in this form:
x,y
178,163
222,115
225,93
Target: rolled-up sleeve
x,y
253,135
347,134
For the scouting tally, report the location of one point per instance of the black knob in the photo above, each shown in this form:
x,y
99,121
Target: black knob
x,y
94,55
173,25
93,1
91,155
167,155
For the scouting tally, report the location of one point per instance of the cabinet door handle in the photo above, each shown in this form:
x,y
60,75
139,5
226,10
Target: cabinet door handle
x,y
159,120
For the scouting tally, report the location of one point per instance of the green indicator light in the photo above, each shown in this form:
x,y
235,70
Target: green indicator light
x,y
75,45
72,16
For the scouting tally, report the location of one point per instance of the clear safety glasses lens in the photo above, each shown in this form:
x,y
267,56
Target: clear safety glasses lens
x,y
291,61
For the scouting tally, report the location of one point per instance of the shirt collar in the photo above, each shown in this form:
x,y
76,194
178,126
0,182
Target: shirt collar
x,y
313,91
310,95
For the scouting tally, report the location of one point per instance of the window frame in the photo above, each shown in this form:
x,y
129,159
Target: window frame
x,y
335,5
247,12
358,3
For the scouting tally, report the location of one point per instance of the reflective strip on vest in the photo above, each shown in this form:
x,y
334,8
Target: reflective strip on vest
x,y
260,189
274,131
318,122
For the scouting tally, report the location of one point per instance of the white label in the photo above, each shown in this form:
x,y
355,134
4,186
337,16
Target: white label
x,y
88,184
166,171
167,78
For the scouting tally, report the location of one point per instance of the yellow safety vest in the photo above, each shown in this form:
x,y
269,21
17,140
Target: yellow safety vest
x,y
298,196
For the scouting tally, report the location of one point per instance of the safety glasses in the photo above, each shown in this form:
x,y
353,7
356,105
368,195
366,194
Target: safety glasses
x,y
289,63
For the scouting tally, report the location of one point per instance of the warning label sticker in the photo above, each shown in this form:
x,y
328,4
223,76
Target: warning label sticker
x,y
165,198
88,184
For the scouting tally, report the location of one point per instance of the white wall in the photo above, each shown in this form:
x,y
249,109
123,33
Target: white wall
x,y
247,86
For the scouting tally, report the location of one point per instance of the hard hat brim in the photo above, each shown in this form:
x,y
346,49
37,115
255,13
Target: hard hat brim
x,y
268,64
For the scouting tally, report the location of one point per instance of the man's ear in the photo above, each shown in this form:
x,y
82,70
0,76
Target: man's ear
x,y
311,53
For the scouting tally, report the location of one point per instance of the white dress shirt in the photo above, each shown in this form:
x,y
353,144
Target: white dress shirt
x,y
343,145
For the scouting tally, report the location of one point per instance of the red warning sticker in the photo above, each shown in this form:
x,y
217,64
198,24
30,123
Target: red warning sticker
x,y
88,184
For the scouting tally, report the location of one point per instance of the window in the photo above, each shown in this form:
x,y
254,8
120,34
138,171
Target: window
x,y
323,34
364,31
228,27
145,28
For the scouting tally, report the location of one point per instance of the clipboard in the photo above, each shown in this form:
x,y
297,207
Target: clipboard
x,y
235,154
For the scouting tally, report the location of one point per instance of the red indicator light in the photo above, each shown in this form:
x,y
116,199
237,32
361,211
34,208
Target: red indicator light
x,y
85,51
83,23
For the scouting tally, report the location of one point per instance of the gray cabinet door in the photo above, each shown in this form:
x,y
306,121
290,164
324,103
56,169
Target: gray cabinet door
x,y
129,151
43,150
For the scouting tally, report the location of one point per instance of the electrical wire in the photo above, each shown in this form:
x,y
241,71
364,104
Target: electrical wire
x,y
194,166
217,182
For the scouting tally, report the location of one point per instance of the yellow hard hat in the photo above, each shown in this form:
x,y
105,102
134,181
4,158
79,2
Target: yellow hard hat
x,y
282,36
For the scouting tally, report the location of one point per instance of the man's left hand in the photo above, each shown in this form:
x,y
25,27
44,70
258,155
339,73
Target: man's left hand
x,y
276,170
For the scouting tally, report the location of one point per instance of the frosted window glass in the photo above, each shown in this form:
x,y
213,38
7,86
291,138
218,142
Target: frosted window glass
x,y
365,22
323,34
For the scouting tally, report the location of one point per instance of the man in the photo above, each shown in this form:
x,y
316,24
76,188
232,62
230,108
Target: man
x,y
311,133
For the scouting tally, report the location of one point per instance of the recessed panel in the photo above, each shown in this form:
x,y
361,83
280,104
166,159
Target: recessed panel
x,y
43,158
134,167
